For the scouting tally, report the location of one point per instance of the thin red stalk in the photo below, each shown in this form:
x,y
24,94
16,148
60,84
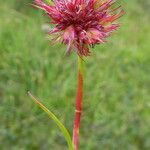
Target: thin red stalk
x,y
78,105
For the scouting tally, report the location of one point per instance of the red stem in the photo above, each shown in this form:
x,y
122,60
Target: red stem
x,y
78,109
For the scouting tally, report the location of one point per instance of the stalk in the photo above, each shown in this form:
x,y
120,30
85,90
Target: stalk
x,y
78,103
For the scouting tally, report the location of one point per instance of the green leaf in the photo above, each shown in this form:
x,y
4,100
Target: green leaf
x,y
49,2
56,120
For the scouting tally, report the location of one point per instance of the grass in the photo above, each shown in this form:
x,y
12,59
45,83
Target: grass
x,y
117,84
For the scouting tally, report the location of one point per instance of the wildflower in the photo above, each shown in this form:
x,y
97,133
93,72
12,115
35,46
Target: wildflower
x,y
81,24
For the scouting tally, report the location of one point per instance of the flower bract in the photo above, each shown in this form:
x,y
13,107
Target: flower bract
x,y
81,24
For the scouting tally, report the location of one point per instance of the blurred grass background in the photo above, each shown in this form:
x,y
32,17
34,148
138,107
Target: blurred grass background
x,y
116,102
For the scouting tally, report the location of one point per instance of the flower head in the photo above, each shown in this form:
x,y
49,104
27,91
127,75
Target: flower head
x,y
81,24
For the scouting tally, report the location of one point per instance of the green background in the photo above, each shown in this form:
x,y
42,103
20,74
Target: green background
x,y
116,106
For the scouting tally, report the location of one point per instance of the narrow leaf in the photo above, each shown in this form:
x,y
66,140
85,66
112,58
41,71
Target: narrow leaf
x,y
56,120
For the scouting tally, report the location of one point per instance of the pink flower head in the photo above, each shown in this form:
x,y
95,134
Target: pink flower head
x,y
81,24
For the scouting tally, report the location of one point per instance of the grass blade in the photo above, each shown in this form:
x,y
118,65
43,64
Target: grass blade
x,y
56,120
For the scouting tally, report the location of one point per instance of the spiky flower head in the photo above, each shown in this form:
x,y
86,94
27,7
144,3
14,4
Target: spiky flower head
x,y
81,24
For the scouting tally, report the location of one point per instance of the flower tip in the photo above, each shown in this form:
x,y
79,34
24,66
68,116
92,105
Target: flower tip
x,y
80,23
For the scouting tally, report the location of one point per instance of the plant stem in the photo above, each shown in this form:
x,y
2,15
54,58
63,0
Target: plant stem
x,y
78,104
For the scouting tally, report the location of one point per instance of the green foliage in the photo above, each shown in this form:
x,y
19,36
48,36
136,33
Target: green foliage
x,y
116,103
56,120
